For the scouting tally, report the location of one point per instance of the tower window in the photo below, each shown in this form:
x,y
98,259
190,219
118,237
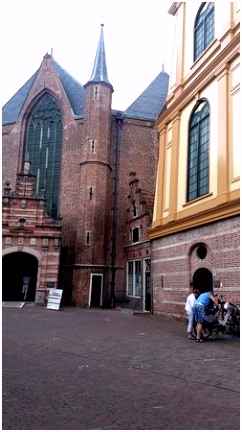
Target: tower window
x,y
92,146
90,192
88,237
96,92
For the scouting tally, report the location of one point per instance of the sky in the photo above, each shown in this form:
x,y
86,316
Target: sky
x,y
138,37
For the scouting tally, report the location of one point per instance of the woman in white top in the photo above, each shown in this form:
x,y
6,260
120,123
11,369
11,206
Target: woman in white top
x,y
189,307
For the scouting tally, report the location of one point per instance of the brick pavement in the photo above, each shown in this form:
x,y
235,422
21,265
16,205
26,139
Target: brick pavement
x,y
80,369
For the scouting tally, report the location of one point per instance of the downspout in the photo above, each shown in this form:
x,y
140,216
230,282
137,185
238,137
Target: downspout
x,y
119,120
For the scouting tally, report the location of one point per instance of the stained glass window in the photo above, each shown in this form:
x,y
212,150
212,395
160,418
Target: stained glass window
x,y
43,150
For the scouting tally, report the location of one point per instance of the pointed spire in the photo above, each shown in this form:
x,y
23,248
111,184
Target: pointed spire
x,y
99,72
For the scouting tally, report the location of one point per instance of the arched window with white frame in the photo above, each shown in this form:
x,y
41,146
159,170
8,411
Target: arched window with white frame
x,y
198,151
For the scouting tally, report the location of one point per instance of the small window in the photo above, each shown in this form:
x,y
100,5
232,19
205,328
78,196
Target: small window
x,y
202,252
90,193
203,29
134,211
147,265
92,146
95,92
135,235
88,237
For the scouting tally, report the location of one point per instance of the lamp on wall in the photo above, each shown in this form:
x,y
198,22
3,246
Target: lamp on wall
x,y
22,221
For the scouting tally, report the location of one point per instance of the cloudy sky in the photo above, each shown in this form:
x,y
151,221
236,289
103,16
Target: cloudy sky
x,y
138,36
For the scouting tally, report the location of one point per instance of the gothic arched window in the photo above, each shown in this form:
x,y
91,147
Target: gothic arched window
x,y
203,28
198,151
43,150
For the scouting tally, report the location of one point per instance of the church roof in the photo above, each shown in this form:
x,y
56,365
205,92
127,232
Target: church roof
x,y
73,89
11,109
99,73
151,102
147,106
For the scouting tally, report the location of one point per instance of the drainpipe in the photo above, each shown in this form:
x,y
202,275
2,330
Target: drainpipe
x,y
119,120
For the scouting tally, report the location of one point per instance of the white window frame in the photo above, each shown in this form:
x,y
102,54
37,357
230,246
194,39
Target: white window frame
x,y
134,279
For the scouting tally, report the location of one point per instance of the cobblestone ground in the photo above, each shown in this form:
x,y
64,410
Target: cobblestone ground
x,y
80,369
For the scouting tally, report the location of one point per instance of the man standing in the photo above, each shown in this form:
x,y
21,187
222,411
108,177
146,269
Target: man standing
x,y
200,304
26,281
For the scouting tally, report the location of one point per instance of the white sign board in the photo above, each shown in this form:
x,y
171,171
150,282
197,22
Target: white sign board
x,y
54,299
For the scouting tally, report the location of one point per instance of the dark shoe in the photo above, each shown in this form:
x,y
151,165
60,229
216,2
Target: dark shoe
x,y
200,340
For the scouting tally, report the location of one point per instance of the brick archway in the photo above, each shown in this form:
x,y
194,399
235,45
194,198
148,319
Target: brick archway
x,y
15,267
203,280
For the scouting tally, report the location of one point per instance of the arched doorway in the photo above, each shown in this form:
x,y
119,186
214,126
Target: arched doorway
x,y
15,267
203,280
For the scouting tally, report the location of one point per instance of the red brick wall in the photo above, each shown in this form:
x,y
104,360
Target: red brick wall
x,y
138,152
10,150
174,262
40,236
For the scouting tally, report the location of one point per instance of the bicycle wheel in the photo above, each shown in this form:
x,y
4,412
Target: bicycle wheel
x,y
207,332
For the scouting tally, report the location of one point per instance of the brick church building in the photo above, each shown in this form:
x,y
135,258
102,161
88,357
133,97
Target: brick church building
x,y
78,187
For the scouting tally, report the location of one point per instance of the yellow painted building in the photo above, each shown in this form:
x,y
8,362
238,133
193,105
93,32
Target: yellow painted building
x,y
195,230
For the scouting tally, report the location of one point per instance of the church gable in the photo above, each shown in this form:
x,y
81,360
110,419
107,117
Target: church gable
x,y
50,77
140,209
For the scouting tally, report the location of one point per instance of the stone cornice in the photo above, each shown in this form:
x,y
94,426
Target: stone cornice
x,y
194,85
211,215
